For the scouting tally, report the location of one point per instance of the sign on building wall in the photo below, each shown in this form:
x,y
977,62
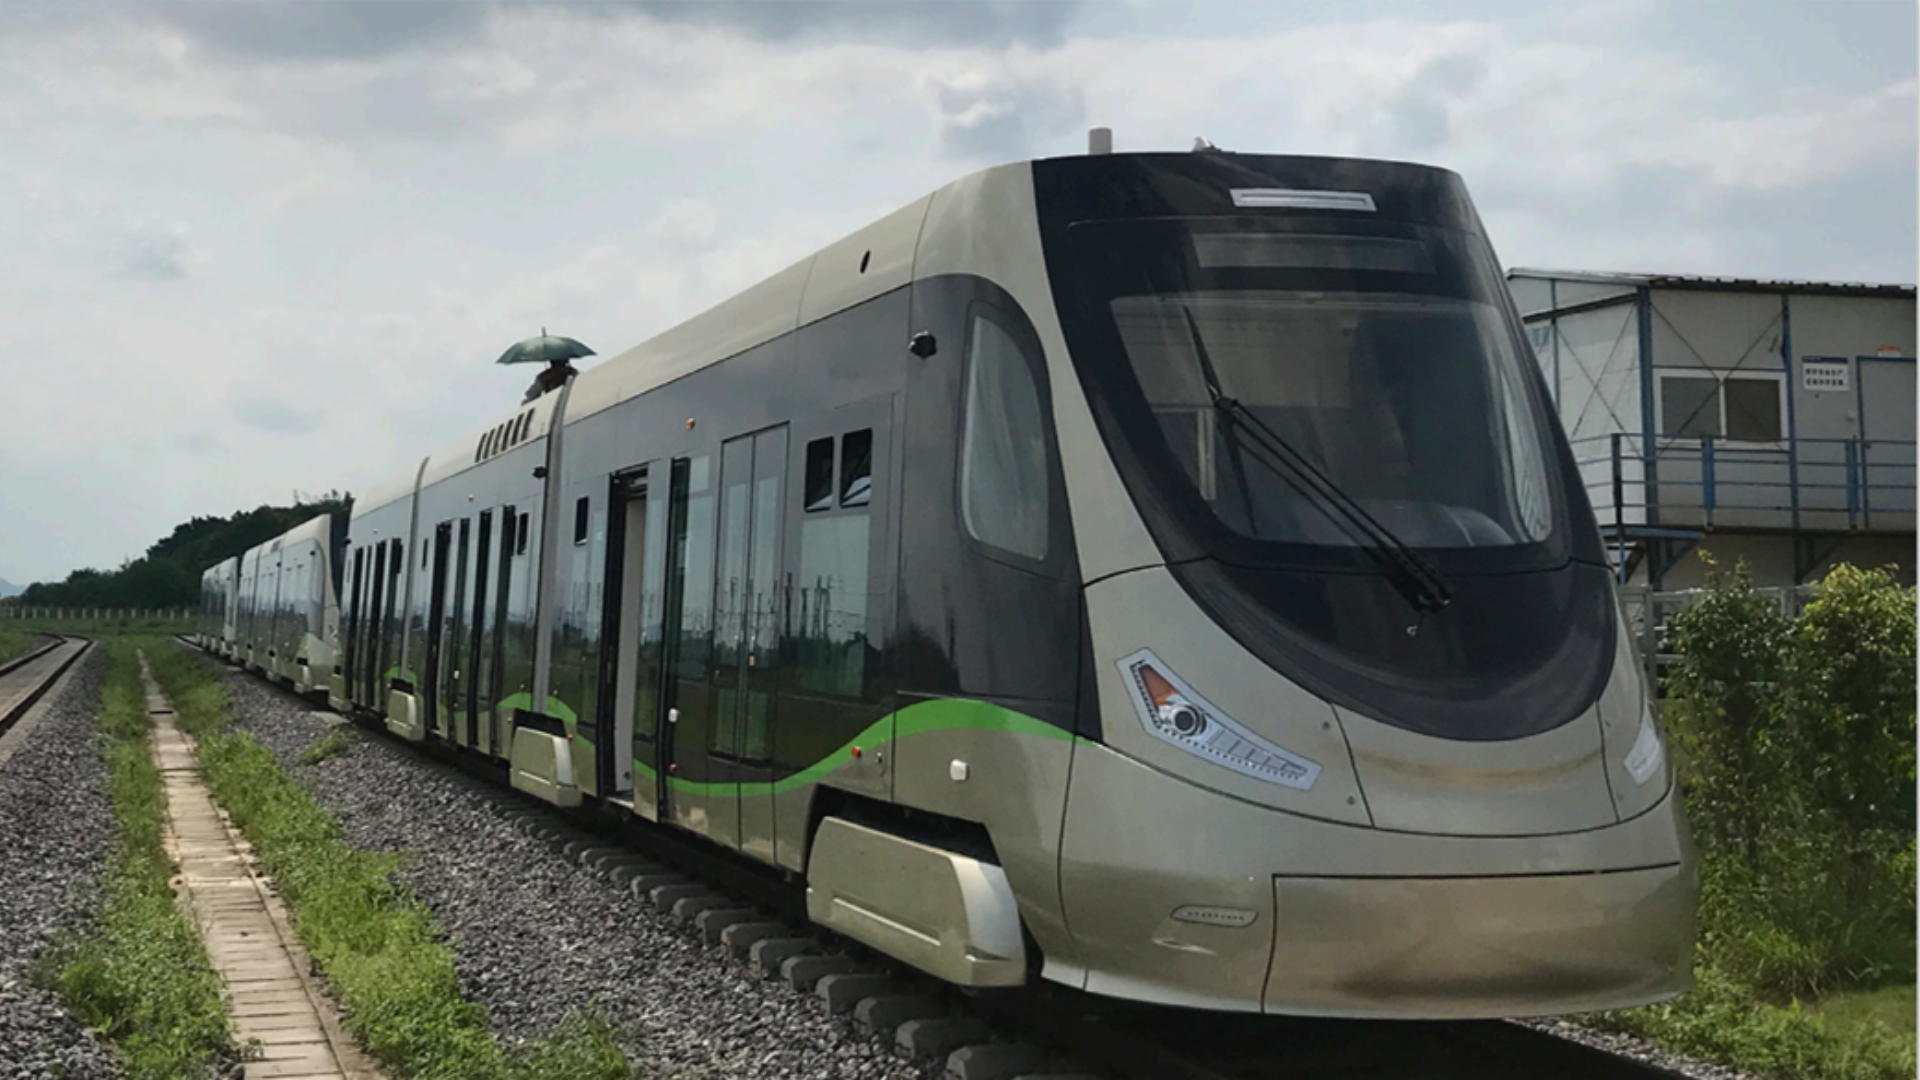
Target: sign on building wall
x,y
1888,352
1825,373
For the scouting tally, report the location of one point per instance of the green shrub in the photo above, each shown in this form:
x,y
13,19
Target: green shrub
x,y
1730,643
1794,744
1798,742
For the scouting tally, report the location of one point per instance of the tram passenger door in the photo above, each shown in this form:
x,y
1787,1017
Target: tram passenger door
x,y
430,680
631,638
757,672
479,668
497,643
728,744
686,644
375,637
459,675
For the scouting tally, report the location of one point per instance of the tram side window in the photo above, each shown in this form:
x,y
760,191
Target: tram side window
x,y
856,468
580,521
520,536
1003,470
819,494
830,595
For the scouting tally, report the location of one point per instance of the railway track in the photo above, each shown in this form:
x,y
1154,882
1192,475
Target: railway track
x,y
1042,1032
26,678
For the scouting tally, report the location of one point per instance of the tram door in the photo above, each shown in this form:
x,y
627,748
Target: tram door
x,y
748,670
631,638
729,640
459,676
436,627
686,642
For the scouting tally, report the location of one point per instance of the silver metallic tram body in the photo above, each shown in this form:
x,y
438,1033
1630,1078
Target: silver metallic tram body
x,y
273,609
1111,690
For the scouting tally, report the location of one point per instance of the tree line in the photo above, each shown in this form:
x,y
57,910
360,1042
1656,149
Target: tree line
x,y
168,575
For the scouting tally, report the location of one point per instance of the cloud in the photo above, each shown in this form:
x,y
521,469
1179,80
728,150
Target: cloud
x,y
394,203
153,253
994,24
685,227
315,32
264,410
1420,108
997,111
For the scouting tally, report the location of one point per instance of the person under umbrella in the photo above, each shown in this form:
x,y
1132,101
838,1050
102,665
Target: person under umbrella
x,y
558,353
555,375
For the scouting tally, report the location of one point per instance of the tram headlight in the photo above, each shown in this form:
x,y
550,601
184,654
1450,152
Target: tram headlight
x,y
1174,713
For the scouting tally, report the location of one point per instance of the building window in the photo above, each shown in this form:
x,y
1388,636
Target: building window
x,y
1003,462
819,493
1739,408
856,467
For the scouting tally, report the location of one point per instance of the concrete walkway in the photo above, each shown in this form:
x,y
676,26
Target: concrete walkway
x,y
245,927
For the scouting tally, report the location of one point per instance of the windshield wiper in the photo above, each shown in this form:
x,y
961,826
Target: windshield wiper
x,y
1416,579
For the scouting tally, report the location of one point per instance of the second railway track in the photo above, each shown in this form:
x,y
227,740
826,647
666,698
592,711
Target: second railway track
x,y
1009,1035
26,678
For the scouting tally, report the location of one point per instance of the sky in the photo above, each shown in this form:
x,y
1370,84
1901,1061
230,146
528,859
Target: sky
x,y
266,248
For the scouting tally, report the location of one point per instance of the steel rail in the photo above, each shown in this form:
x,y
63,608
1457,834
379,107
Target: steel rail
x,y
21,670
25,658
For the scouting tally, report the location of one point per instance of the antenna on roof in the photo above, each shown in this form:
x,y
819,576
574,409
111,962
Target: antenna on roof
x,y
1100,141
1201,145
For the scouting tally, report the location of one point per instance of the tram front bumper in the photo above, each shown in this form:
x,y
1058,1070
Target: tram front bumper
x,y
1179,896
1470,947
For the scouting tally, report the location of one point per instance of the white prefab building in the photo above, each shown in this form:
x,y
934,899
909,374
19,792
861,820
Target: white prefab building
x,y
1769,421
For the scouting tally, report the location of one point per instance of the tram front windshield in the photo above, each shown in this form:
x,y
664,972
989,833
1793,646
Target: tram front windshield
x,y
1378,353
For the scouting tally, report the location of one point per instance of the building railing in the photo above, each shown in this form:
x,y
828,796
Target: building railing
x,y
1649,616
1788,483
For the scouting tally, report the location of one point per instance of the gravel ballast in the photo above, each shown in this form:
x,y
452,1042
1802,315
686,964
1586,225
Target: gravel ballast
x,y
56,829
535,934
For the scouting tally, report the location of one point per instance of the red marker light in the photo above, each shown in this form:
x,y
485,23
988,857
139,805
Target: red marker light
x,y
671,769
856,751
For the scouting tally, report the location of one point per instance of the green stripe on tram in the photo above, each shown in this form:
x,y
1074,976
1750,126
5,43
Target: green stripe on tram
x,y
944,714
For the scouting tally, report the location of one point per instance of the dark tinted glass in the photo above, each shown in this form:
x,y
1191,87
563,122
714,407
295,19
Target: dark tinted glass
x,y
819,494
1003,463
1384,360
580,521
1689,407
856,468
1753,409
830,605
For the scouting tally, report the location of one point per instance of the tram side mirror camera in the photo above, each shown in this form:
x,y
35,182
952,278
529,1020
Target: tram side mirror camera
x,y
922,345
539,472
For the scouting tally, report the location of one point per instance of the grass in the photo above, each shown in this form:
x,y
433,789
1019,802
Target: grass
x,y
378,946
114,626
136,972
331,745
1722,1021
13,642
1891,1007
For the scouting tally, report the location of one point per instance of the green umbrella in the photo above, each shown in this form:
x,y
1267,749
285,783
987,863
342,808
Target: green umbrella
x,y
545,349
